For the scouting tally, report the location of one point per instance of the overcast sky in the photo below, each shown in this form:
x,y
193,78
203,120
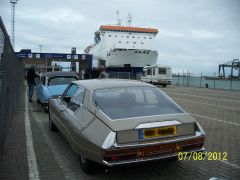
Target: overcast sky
x,y
193,34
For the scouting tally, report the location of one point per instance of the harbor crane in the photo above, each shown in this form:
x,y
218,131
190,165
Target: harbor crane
x,y
233,64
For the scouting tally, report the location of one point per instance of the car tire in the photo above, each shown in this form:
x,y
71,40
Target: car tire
x,y
164,85
38,101
46,110
52,126
86,164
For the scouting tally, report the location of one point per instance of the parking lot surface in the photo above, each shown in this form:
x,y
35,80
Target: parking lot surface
x,y
218,111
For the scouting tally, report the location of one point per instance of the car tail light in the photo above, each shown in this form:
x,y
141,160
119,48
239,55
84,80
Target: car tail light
x,y
119,154
192,144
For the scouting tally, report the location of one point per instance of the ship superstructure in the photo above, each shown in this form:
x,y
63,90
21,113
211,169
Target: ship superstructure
x,y
120,45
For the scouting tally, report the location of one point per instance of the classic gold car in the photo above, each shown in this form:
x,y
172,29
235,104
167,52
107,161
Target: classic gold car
x,y
115,122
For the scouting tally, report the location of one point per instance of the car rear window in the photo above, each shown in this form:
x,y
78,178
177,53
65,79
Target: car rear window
x,y
127,102
61,80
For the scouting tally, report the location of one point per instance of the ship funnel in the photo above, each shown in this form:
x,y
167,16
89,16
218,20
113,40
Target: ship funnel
x,y
97,37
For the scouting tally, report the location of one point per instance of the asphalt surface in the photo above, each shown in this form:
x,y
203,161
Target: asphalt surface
x,y
218,111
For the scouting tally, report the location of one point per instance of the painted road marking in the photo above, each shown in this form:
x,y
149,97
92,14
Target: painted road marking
x,y
226,107
228,122
32,162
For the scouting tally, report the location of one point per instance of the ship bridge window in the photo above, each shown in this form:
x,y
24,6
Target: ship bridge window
x,y
150,38
127,42
142,43
144,37
134,42
127,36
109,35
149,72
133,37
115,35
119,42
162,70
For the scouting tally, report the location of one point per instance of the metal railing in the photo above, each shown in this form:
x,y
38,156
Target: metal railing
x,y
202,80
206,80
120,75
11,83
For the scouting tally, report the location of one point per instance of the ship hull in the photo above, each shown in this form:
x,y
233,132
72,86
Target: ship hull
x,y
135,58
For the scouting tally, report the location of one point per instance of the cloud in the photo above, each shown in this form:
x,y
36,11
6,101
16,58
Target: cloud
x,y
204,34
170,33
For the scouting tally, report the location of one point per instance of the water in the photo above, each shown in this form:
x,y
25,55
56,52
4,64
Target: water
x,y
200,82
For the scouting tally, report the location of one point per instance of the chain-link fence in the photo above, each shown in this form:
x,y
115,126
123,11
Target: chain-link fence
x,y
11,83
205,80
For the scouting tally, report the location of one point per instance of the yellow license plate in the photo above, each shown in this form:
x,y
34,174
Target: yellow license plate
x,y
158,132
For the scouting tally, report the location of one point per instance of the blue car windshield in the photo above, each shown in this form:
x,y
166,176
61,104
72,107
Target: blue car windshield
x,y
127,102
60,80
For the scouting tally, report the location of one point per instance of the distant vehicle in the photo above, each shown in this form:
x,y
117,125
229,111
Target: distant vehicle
x,y
53,84
114,122
157,74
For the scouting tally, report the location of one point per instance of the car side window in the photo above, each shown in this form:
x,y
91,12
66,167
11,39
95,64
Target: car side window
x,y
77,99
69,93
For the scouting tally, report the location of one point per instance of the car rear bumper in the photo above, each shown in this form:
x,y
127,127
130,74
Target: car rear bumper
x,y
161,157
154,151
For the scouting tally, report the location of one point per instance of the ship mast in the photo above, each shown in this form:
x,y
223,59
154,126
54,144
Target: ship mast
x,y
129,22
118,19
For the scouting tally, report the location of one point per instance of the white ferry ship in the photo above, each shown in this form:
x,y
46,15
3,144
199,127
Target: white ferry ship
x,y
117,46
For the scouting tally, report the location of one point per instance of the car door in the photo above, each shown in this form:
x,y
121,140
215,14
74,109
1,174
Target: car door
x,y
62,108
72,117
40,87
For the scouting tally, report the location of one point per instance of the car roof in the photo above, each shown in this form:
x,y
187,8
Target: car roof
x,y
109,83
59,73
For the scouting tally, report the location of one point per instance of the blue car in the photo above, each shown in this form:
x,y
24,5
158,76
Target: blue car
x,y
52,85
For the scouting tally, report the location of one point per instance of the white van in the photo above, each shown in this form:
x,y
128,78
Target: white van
x,y
157,74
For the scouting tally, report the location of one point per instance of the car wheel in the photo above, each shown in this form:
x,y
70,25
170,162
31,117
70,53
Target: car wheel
x,y
86,164
46,108
52,126
38,101
164,85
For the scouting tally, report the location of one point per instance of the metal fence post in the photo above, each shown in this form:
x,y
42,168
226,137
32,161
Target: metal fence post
x,y
178,79
231,82
201,80
188,78
183,78
214,80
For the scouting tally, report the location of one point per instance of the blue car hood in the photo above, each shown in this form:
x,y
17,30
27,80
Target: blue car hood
x,y
57,89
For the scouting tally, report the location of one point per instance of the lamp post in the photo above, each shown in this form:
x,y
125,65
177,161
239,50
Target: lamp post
x,y
13,4
40,48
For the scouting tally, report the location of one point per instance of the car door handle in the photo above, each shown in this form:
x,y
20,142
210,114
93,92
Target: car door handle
x,y
61,109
